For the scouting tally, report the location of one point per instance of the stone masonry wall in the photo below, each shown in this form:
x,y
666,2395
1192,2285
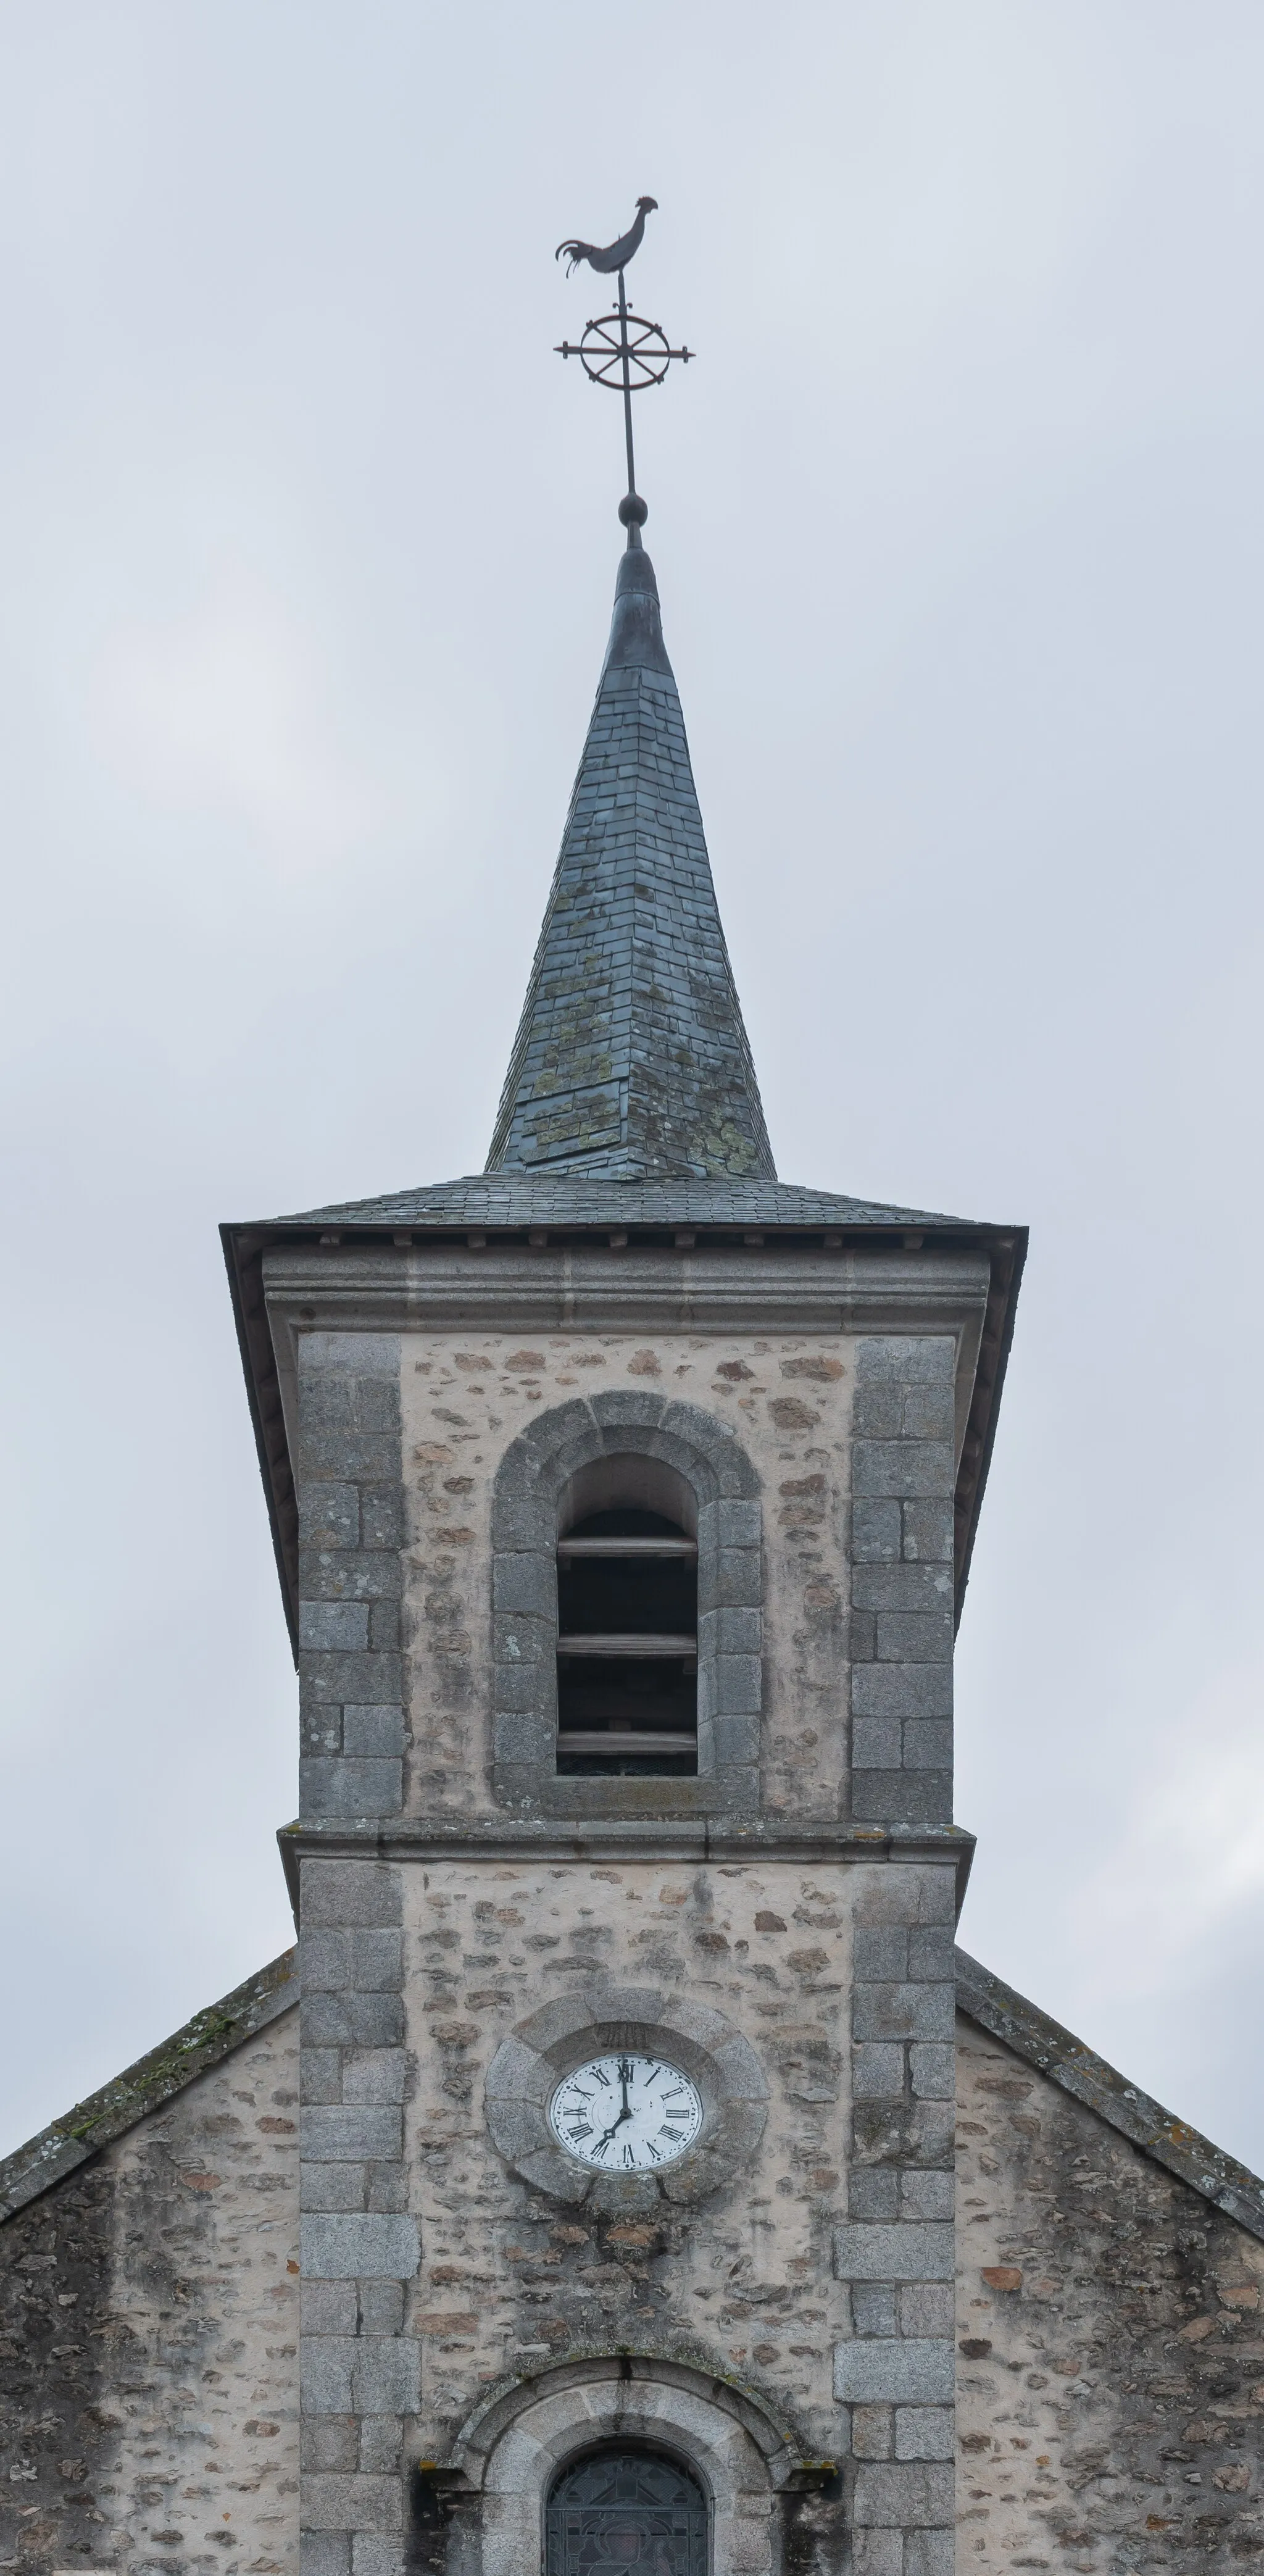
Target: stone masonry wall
x,y
466,1398
903,1475
359,2230
412,1432
351,1531
1110,2353
896,2249
149,2337
1110,2342
803,1408
743,2280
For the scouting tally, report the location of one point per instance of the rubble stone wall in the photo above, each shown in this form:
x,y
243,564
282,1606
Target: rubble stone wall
x,y
1110,2374
512,2275
149,2339
441,1409
1110,2357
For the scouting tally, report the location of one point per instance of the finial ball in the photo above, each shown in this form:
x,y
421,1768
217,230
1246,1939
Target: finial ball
x,y
633,511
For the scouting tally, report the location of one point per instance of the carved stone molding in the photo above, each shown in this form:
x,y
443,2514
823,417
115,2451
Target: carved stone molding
x,y
601,2390
511,2452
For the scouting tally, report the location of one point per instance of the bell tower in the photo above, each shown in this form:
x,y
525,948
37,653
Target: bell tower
x,y
623,1499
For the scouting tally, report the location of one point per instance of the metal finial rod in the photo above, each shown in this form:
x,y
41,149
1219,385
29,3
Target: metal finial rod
x,y
637,357
626,354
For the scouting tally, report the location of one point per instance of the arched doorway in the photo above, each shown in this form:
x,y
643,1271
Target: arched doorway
x,y
618,2509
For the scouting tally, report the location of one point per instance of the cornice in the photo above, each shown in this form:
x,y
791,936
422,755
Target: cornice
x,y
632,1287
691,1840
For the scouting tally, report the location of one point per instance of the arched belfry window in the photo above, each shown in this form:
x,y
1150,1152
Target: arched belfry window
x,y
627,1622
625,2508
637,1517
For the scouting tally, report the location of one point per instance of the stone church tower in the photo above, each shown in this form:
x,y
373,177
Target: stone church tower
x,y
623,1500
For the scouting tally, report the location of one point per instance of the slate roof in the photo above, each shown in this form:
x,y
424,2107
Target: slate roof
x,y
631,1103
631,1095
213,2035
631,1056
1066,2061
517,1198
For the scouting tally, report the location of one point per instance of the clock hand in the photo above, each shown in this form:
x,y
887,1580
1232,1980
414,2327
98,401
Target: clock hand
x,y
624,2114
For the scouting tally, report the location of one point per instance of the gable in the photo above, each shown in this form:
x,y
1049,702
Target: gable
x,y
149,2326
1110,2388
1110,2354
155,2078
1077,2070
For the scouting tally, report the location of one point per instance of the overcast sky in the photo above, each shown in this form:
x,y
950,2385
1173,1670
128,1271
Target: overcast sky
x,y
308,545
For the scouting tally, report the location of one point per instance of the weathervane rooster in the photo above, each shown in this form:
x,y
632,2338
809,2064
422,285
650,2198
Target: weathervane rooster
x,y
621,350
616,254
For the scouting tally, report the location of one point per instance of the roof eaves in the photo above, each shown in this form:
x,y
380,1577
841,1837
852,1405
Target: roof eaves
x,y
1008,1252
204,2042
243,1260
1066,2061
559,1197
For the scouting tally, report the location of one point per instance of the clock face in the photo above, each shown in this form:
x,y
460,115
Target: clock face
x,y
626,2114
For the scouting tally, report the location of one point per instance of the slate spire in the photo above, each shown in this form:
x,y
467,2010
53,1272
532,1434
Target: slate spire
x,y
631,1060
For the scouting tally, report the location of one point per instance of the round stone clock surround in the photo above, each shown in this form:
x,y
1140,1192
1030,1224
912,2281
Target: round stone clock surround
x,y
648,2021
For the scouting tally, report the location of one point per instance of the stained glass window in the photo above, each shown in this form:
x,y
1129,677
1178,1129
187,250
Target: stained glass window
x,y
619,2509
